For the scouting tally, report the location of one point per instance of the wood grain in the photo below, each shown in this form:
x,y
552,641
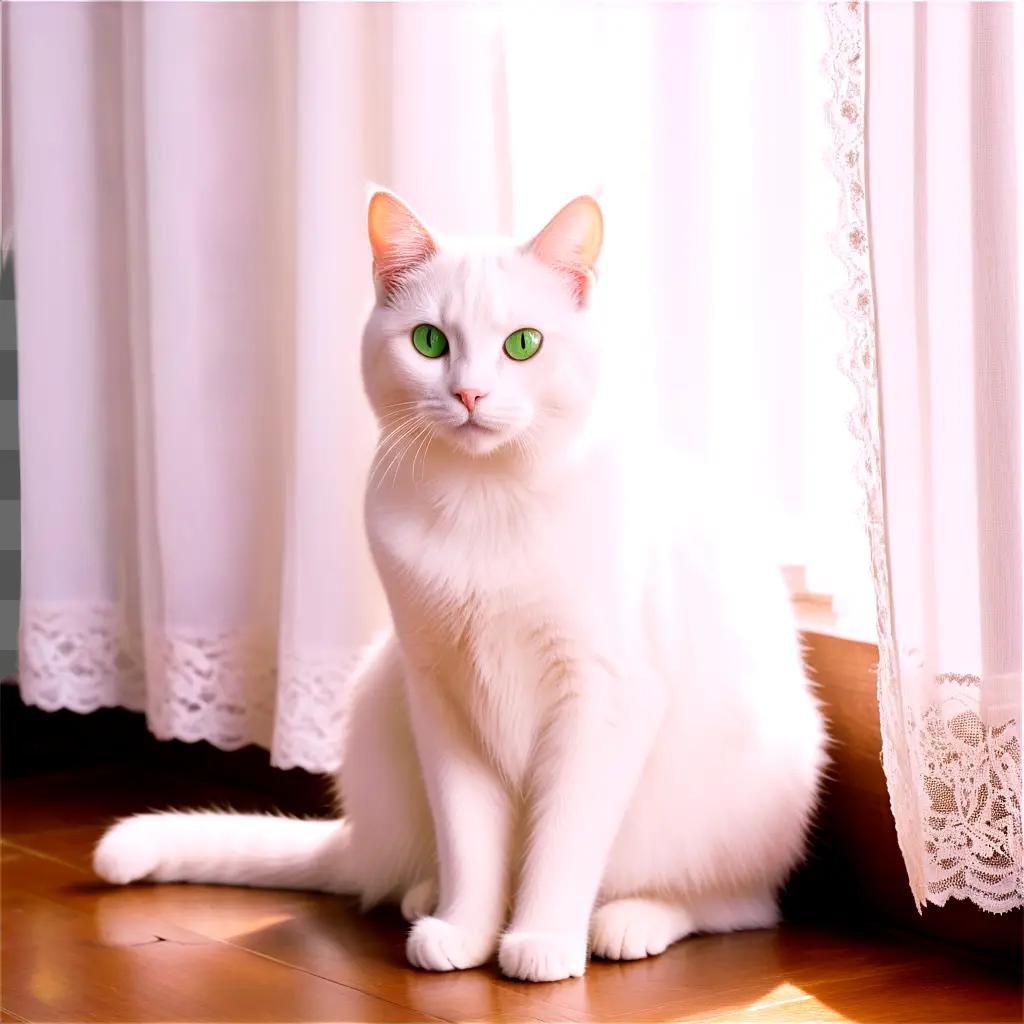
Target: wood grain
x,y
76,950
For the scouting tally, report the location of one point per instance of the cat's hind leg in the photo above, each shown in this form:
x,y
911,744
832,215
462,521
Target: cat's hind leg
x,y
420,900
757,908
631,929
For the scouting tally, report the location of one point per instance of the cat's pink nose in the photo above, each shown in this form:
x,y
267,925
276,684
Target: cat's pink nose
x,y
469,397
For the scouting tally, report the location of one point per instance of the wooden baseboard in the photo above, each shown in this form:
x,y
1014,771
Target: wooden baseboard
x,y
856,869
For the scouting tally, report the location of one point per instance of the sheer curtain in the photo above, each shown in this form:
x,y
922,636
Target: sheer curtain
x,y
942,433
189,184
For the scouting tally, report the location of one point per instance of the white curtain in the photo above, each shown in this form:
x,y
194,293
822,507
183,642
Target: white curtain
x,y
192,272
943,437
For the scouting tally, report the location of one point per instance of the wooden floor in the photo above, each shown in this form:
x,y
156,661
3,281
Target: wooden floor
x,y
75,950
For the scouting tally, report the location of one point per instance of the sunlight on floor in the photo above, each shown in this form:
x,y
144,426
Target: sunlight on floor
x,y
231,926
788,1003
122,922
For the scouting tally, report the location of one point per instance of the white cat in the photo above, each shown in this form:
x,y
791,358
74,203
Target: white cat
x,y
591,728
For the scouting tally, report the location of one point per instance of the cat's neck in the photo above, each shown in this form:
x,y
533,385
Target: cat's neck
x,y
441,471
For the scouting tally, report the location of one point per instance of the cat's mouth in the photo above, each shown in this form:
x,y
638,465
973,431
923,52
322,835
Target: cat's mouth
x,y
478,437
471,425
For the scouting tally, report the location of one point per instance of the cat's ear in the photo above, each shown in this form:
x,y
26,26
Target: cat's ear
x,y
571,243
398,239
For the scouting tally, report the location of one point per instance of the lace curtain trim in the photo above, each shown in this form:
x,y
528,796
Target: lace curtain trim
x,y
971,775
192,686
954,783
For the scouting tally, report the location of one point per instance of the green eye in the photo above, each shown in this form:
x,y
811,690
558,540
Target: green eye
x,y
429,341
522,344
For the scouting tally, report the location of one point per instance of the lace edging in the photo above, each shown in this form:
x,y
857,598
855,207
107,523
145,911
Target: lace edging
x,y
312,702
228,688
955,792
844,67
971,781
76,656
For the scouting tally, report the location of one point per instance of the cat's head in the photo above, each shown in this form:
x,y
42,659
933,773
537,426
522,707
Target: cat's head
x,y
486,344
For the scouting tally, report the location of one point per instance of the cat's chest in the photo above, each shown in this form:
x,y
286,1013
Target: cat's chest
x,y
480,546
503,662
502,601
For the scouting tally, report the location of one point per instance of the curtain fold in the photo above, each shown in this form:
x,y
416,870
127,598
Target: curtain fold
x,y
940,339
189,188
193,434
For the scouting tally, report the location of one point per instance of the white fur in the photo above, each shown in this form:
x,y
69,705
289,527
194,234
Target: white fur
x,y
591,725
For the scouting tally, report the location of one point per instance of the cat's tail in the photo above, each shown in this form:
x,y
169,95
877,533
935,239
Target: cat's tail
x,y
228,849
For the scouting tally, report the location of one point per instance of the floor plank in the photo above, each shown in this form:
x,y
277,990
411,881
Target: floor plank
x,y
71,958
77,950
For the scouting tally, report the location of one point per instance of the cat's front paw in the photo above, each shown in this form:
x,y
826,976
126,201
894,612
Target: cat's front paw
x,y
542,956
128,852
438,945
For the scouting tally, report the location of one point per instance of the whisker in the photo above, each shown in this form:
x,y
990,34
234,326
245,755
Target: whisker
x,y
400,405
417,441
396,462
423,465
397,409
392,439
396,414
387,435
422,438
398,446
430,441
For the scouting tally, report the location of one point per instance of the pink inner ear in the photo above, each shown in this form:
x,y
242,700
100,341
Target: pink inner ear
x,y
580,281
571,242
398,239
